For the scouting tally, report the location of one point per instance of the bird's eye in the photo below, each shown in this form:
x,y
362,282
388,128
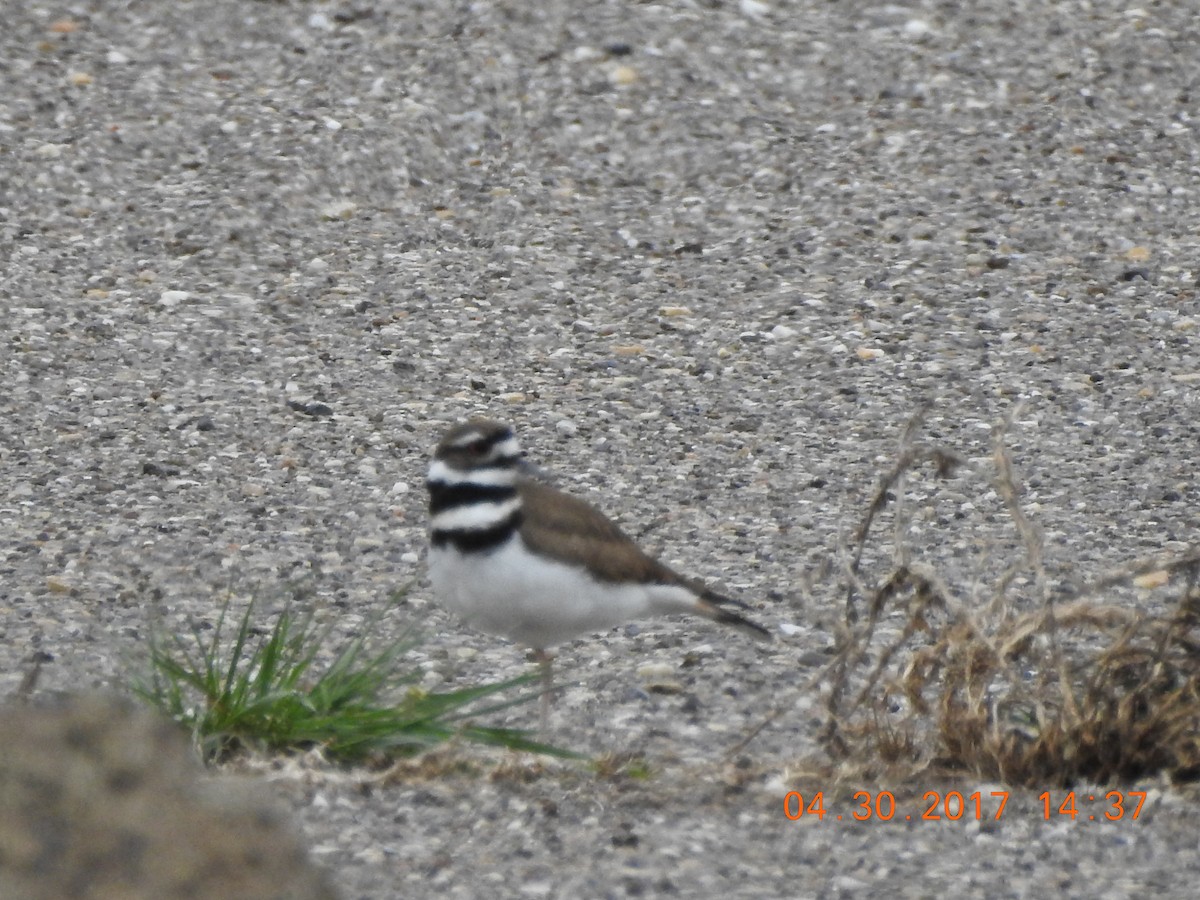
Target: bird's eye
x,y
477,448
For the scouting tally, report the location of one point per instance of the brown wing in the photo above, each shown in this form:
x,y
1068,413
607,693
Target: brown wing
x,y
568,529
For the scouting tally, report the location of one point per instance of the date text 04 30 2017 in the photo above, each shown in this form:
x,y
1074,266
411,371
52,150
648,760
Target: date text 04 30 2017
x,y
954,805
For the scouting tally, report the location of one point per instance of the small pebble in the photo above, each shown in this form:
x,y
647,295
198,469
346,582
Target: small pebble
x,y
172,298
1152,579
316,410
753,9
782,332
623,75
339,209
654,671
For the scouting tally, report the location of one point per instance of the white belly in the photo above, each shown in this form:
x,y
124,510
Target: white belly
x,y
539,602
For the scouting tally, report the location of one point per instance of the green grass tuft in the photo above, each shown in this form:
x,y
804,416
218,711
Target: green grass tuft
x,y
269,690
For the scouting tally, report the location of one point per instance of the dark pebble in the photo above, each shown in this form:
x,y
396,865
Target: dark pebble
x,y
160,470
316,410
625,837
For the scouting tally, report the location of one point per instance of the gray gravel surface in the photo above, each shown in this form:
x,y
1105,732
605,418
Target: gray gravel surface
x,y
709,258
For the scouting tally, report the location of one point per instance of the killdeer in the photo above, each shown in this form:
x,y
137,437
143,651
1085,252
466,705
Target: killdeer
x,y
515,557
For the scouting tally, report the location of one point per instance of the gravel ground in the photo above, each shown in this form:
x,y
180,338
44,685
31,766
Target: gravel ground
x,y
709,258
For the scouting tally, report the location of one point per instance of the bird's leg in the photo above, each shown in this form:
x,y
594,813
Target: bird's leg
x,y
544,661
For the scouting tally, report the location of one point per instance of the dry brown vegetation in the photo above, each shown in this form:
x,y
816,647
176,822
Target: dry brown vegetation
x,y
1022,682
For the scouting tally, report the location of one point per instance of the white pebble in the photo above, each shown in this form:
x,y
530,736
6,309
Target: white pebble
x,y
173,298
782,332
753,9
655,670
566,427
585,53
371,856
339,209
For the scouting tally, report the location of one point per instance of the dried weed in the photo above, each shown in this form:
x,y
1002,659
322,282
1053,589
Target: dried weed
x,y
1022,683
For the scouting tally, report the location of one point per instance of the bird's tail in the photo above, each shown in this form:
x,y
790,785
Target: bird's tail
x,y
721,609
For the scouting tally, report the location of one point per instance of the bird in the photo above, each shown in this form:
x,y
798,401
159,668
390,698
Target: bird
x,y
516,557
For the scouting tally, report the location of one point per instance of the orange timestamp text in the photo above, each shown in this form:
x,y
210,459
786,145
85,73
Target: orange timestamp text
x,y
952,806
